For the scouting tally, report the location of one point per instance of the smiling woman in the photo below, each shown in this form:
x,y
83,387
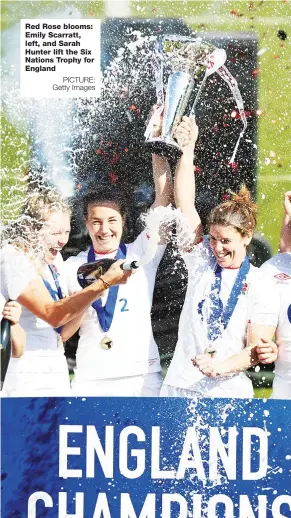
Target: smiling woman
x,y
117,354
228,308
56,231
34,243
231,226
104,220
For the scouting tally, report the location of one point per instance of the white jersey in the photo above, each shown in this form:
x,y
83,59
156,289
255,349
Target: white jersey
x,y
193,337
279,269
42,369
134,350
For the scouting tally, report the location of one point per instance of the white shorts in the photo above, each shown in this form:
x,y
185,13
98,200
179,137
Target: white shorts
x,y
219,392
143,385
37,376
41,385
281,388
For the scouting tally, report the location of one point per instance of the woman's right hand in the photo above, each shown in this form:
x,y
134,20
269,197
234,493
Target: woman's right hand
x,y
207,365
155,118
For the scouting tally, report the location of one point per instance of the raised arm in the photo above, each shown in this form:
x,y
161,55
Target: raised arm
x,y
164,194
163,182
285,237
184,185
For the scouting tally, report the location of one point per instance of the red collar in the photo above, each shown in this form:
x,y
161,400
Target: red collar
x,y
105,253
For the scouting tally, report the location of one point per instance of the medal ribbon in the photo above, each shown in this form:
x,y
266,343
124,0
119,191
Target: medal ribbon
x,y
55,294
219,317
158,67
105,313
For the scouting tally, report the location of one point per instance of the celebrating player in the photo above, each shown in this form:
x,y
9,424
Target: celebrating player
x,y
224,293
279,269
117,354
29,264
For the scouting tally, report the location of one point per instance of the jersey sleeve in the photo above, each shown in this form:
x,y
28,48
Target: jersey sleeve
x,y
200,255
265,302
17,272
143,248
70,268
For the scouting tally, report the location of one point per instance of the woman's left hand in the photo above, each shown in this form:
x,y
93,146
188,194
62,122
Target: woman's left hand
x,y
207,365
186,133
267,351
12,311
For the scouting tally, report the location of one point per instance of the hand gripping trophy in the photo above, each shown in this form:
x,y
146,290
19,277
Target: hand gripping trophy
x,y
188,62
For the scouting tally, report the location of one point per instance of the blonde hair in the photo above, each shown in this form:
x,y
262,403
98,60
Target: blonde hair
x,y
240,212
39,205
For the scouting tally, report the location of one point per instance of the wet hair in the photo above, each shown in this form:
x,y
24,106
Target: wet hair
x,y
39,205
102,195
239,212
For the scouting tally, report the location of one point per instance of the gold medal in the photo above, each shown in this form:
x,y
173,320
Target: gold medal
x,y
210,350
106,343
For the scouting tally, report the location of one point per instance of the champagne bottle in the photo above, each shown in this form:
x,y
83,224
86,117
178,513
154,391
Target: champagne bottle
x,y
6,347
90,272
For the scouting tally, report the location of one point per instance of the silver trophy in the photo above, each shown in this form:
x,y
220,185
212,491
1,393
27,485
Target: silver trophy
x,y
188,62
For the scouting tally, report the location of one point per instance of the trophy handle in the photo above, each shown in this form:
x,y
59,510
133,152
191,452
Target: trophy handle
x,y
201,88
213,63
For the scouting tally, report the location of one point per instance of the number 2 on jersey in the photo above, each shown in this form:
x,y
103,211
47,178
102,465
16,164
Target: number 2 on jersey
x,y
124,307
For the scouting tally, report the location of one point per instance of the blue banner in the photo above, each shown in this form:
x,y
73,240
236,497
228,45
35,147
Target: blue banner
x,y
145,458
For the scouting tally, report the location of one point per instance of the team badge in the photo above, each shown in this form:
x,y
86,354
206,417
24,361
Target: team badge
x,y
244,288
282,276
